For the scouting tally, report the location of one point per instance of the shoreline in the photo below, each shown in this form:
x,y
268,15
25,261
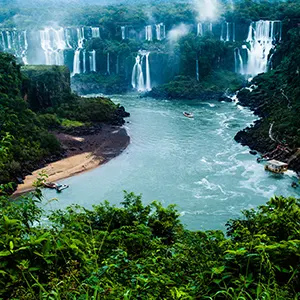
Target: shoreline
x,y
83,152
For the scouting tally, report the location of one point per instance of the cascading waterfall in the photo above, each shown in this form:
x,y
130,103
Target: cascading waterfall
x,y
80,42
227,32
210,27
95,32
160,31
68,38
222,32
148,33
123,31
148,78
199,29
261,36
239,65
84,61
92,59
137,78
8,36
53,44
107,64
197,70
233,32
15,42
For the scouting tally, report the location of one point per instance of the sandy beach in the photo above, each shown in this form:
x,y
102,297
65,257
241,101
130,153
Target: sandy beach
x,y
83,152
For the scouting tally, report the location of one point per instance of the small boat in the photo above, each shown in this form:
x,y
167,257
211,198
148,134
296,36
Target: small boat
x,y
188,115
276,166
55,186
61,187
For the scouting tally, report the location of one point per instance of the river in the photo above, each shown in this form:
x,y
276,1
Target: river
x,y
193,163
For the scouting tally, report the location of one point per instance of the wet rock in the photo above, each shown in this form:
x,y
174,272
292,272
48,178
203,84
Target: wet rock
x,y
225,98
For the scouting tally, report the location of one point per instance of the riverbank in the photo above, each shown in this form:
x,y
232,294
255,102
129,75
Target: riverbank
x,y
84,150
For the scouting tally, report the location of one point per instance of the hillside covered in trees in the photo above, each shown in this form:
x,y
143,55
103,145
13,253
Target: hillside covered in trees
x,y
33,103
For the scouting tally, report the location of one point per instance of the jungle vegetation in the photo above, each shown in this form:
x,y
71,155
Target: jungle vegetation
x,y
139,251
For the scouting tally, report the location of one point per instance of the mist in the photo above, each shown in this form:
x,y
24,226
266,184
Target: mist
x,y
208,10
178,32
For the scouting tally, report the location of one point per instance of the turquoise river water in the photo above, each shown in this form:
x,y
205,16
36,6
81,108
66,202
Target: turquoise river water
x,y
193,163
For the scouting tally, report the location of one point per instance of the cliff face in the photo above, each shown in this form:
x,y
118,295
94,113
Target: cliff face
x,y
46,86
275,99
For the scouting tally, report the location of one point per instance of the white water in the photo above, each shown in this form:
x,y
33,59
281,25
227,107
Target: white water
x,y
95,32
137,78
123,30
227,32
160,30
138,81
222,33
84,61
92,58
53,44
148,78
199,29
197,70
148,33
239,65
80,42
107,64
261,37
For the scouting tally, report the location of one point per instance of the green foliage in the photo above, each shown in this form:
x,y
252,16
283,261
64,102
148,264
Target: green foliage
x,y
24,140
210,87
276,99
141,251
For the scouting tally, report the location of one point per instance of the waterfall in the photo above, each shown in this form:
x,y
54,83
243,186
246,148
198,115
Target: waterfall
x,y
250,33
92,59
160,31
68,36
227,32
76,64
233,32
148,78
80,42
84,61
95,32
148,33
123,30
197,70
238,60
8,36
261,37
222,33
25,48
53,44
210,27
107,64
199,29
137,78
